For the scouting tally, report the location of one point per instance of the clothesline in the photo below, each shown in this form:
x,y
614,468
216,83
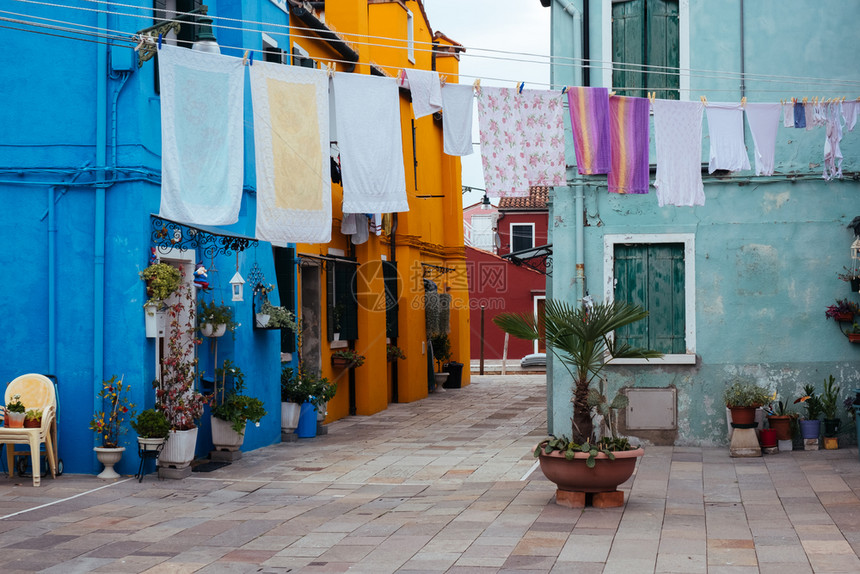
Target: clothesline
x,y
557,61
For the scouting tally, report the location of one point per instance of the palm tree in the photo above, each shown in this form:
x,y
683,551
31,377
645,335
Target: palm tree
x,y
579,338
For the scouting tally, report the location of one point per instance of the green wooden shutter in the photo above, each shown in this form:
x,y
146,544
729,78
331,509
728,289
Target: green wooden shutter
x,y
652,276
329,277
628,47
663,34
389,275
346,284
631,265
286,277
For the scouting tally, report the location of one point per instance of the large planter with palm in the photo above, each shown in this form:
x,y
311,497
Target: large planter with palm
x,y
582,340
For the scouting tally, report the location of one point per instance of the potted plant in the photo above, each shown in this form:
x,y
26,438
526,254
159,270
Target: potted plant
x,y
346,358
843,311
308,390
108,424
176,394
780,419
743,397
152,429
582,341
293,394
441,345
278,318
853,333
15,413
214,320
852,276
162,280
232,409
810,426
830,409
33,418
393,353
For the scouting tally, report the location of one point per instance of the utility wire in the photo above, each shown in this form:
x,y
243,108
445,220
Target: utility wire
x,y
833,83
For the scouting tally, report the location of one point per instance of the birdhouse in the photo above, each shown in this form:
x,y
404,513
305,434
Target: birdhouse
x,y
855,253
238,285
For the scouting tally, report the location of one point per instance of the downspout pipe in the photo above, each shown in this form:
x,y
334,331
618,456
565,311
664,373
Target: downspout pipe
x,y
578,53
304,12
579,214
743,58
99,227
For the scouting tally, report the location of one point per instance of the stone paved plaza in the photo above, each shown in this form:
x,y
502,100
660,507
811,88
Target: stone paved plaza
x,y
438,486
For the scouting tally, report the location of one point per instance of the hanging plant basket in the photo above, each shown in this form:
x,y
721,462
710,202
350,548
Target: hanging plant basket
x,y
853,337
340,363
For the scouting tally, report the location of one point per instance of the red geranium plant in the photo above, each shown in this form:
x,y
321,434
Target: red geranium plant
x,y
176,394
108,423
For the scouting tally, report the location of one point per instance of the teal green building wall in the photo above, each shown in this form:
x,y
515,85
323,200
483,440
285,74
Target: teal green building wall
x,y
767,249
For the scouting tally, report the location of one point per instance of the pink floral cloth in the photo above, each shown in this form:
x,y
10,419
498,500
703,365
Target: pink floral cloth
x,y
522,140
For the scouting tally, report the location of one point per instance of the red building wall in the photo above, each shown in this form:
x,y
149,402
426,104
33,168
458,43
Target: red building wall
x,y
501,287
506,218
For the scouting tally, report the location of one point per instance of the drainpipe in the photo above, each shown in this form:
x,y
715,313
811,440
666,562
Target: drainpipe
x,y
586,41
52,271
99,223
576,22
743,63
392,255
579,213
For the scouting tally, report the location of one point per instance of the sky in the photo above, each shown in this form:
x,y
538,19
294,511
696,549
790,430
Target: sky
x,y
520,26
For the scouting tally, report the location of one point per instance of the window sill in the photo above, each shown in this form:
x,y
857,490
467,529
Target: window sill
x,y
678,359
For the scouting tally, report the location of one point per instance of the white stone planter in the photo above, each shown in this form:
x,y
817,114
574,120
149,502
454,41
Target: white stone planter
x,y
290,416
224,437
210,330
178,452
109,457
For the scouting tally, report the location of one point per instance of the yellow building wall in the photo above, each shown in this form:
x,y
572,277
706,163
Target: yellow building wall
x,y
431,232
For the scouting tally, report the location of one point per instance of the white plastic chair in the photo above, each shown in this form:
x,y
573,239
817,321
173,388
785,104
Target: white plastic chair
x,y
37,392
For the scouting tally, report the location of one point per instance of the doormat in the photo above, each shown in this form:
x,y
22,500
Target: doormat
x,y
209,466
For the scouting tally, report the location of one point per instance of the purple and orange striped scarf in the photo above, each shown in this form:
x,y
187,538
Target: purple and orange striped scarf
x,y
628,118
589,120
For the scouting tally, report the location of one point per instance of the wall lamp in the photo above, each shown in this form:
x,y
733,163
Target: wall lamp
x,y
204,39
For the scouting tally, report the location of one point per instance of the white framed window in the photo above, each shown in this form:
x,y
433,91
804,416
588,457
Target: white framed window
x,y
410,36
522,236
658,272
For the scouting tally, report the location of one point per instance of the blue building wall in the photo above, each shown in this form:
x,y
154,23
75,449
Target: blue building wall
x,y
68,108
767,249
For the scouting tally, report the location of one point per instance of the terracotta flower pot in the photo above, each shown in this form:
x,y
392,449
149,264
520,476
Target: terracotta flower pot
x,y
743,415
575,476
32,423
782,425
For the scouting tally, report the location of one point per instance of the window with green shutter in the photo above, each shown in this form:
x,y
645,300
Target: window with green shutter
x,y
342,303
285,274
652,276
646,33
389,275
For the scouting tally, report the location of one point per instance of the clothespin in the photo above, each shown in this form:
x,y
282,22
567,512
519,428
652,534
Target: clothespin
x,y
251,59
744,102
330,69
245,58
704,100
159,41
443,79
612,93
140,43
842,100
804,101
652,96
476,85
563,90
521,86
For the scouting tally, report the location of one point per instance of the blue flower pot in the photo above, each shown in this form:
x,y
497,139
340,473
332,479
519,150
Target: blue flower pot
x,y
810,429
307,421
